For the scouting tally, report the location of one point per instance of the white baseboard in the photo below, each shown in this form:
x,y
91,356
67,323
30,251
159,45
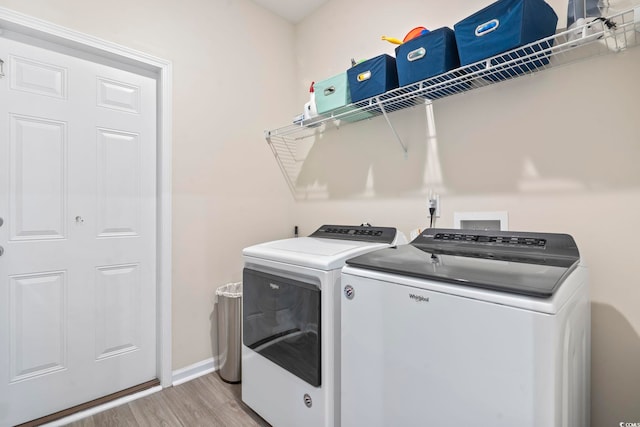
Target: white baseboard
x,y
194,371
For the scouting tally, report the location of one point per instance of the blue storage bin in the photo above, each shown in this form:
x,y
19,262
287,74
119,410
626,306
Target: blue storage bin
x,y
372,77
426,56
502,26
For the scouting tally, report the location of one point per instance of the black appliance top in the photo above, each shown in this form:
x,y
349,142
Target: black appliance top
x,y
533,264
362,233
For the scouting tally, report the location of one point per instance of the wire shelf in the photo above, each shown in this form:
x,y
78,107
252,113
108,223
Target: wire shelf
x,y
613,34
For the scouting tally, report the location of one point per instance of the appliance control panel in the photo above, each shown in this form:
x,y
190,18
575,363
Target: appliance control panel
x,y
490,239
491,243
361,233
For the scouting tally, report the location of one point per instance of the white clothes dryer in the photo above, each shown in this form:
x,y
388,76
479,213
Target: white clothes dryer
x,y
291,322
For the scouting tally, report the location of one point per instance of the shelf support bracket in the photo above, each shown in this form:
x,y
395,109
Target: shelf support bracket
x,y
386,116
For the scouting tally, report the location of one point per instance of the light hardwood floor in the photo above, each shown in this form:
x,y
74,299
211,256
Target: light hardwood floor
x,y
205,401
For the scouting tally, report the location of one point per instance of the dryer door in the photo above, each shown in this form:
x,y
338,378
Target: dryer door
x,y
281,321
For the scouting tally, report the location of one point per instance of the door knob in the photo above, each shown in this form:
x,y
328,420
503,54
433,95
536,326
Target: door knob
x,y
1,250
79,219
1,221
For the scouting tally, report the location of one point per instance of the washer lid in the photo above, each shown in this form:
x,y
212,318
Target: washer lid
x,y
533,264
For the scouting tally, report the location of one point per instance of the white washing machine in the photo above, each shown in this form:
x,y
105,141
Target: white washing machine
x,y
467,328
291,322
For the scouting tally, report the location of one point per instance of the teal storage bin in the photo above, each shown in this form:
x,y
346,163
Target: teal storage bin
x,y
333,98
332,93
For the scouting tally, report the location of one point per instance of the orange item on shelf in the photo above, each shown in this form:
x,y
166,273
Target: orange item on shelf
x,y
418,31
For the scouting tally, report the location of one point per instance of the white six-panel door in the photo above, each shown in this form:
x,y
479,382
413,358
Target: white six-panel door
x,y
78,231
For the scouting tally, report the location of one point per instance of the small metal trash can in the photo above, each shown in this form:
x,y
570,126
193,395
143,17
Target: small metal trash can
x,y
229,300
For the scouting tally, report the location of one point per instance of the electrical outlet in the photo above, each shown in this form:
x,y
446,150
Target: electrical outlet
x,y
434,202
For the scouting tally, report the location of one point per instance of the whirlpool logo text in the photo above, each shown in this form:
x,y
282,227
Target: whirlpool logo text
x,y
418,298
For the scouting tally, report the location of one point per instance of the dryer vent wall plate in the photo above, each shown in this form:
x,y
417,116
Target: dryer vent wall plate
x,y
480,224
498,221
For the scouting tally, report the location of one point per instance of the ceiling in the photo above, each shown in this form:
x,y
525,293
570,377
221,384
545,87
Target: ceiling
x,y
292,10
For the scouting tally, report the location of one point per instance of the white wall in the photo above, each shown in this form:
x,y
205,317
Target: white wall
x,y
576,125
233,68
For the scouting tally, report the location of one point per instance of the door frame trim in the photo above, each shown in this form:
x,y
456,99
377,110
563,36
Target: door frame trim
x,y
161,70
